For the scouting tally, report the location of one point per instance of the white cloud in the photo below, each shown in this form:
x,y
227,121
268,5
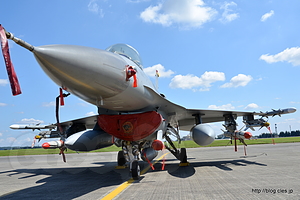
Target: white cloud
x,y
290,55
191,81
95,8
151,71
3,104
186,13
90,113
45,104
251,106
222,107
294,102
3,82
237,81
228,15
267,15
1,134
185,82
31,121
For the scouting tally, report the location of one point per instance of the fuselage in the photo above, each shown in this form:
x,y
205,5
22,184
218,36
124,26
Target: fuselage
x,y
97,76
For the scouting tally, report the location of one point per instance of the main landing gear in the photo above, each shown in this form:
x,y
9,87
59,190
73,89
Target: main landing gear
x,y
132,150
179,154
130,154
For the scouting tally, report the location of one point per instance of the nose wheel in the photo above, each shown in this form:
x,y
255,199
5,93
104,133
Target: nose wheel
x,y
130,155
135,170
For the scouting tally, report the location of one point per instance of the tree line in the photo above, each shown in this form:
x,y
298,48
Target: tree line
x,y
281,134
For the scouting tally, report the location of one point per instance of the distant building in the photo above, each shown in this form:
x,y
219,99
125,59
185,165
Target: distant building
x,y
185,138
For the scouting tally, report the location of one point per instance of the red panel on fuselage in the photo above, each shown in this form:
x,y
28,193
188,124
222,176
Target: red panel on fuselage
x,y
132,127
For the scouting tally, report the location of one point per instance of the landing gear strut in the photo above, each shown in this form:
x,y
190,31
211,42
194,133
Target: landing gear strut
x,y
130,154
179,154
182,155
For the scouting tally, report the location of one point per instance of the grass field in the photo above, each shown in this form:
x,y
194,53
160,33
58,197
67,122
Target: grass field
x,y
185,144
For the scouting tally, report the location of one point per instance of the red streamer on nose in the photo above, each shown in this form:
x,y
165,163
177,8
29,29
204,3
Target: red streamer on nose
x,y
13,79
134,81
129,73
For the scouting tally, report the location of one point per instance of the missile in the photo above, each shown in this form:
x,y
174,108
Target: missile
x,y
21,126
279,112
238,134
53,144
255,123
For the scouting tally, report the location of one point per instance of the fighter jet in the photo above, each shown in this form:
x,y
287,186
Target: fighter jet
x,y
131,112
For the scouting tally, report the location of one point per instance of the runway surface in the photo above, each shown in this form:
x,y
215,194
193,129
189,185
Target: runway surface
x,y
267,172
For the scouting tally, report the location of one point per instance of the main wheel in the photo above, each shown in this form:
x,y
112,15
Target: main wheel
x,y
182,156
135,170
121,159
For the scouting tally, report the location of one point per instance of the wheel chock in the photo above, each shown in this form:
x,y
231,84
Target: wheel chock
x,y
184,164
120,167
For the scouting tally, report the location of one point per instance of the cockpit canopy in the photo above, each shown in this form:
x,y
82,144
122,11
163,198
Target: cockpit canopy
x,y
127,51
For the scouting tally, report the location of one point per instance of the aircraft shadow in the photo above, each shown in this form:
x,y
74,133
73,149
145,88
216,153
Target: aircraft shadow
x,y
74,182
66,183
187,171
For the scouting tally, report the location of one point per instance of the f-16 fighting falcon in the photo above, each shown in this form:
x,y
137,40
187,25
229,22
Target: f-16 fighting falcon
x,y
132,114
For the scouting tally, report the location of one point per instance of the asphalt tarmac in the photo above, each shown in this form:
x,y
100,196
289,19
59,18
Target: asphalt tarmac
x,y
267,172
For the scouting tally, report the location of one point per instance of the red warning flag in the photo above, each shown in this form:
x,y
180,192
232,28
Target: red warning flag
x,y
13,79
134,81
61,96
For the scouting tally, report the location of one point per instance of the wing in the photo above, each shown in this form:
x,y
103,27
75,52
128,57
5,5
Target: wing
x,y
185,118
179,115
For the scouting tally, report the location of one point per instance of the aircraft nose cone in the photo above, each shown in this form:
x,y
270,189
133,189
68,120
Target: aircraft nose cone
x,y
84,71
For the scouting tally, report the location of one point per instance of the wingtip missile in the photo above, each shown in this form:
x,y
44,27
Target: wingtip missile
x,y
290,110
278,112
15,126
33,127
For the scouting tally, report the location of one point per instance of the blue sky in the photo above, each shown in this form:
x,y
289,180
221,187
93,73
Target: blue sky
x,y
236,55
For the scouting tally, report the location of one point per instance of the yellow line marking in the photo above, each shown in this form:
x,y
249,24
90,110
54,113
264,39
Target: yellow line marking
x,y
124,185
